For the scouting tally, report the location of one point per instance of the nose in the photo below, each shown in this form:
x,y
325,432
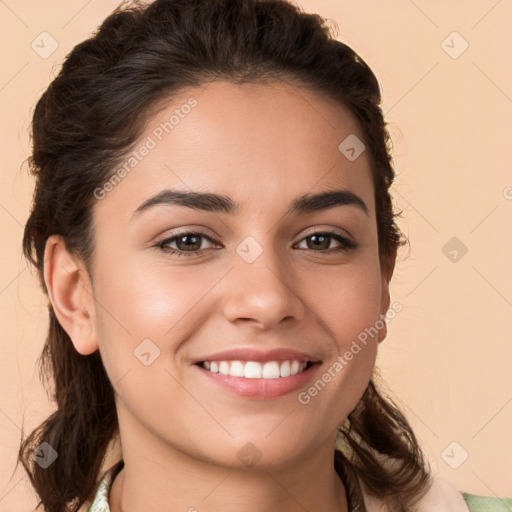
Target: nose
x,y
264,292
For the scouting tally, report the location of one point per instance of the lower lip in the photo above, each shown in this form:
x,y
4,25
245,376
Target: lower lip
x,y
262,389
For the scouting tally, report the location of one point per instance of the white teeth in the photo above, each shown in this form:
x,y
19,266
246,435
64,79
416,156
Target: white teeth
x,y
224,367
285,369
237,369
253,370
256,370
271,370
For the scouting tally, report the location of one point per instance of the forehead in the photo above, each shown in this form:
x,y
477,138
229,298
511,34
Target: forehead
x,y
259,144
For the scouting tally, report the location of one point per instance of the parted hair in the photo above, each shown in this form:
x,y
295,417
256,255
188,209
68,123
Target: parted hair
x,y
89,118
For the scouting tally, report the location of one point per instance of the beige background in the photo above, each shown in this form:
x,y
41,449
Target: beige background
x,y
448,354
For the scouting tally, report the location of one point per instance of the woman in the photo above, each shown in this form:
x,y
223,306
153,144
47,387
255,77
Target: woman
x,y
213,226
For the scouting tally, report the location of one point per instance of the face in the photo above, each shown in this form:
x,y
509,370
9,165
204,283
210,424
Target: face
x,y
176,284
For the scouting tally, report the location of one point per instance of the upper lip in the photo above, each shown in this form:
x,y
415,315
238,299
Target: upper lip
x,y
256,354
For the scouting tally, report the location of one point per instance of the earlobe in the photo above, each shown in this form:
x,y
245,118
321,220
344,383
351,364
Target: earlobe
x,y
386,272
70,294
383,332
385,300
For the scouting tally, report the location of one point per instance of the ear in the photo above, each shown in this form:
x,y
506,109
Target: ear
x,y
70,292
387,268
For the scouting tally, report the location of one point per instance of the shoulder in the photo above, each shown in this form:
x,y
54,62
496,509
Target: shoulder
x,y
444,497
477,503
440,497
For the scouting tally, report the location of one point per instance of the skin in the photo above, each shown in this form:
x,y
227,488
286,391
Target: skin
x,y
263,146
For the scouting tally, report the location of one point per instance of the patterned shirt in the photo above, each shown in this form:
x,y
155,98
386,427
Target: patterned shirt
x,y
355,499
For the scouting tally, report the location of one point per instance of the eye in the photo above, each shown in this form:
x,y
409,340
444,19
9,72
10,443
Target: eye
x,y
322,239
187,243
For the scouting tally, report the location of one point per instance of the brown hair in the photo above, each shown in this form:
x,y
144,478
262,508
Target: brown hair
x,y
90,117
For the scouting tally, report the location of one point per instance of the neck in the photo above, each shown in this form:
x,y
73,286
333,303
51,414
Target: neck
x,y
180,484
231,493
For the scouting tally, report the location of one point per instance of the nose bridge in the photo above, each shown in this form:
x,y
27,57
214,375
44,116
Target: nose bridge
x,y
260,284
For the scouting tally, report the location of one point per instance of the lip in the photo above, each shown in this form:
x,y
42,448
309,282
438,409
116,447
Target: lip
x,y
260,389
258,355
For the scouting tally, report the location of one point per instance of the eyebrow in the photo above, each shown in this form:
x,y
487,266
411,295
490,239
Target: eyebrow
x,y
210,202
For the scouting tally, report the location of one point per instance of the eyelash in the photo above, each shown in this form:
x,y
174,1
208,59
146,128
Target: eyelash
x,y
346,244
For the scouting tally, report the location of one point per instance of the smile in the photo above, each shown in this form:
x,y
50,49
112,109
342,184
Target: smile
x,y
258,380
255,369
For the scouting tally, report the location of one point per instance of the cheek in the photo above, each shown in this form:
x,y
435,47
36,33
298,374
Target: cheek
x,y
348,306
142,316
347,300
139,300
